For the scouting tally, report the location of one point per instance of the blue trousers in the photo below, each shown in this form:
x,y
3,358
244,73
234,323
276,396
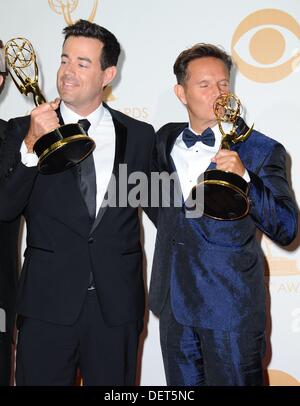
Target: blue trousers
x,y
195,356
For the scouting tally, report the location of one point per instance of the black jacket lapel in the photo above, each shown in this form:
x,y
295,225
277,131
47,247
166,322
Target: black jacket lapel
x,y
120,149
74,169
165,146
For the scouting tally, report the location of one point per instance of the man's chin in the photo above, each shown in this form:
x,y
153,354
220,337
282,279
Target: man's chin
x,y
67,94
67,99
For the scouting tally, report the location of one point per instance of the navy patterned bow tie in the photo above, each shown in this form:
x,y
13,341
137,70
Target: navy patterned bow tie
x,y
190,139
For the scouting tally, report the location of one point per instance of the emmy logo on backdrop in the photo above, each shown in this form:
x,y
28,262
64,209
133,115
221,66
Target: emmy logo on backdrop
x,y
226,193
67,7
63,147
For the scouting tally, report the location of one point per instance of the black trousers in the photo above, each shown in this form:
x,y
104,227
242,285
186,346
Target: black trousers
x,y
195,356
5,359
51,354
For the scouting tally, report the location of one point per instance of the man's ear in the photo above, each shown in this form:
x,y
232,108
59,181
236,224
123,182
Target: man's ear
x,y
180,93
109,75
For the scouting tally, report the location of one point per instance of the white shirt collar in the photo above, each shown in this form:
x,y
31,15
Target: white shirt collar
x,y
70,116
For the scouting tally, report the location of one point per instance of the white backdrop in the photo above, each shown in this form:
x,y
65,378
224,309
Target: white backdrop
x,y
264,38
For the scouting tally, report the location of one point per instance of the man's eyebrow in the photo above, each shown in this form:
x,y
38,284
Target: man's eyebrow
x,y
80,58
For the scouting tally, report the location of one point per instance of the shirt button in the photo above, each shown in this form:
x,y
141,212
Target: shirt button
x,y
91,240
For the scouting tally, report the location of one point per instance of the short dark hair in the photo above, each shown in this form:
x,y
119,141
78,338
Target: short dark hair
x,y
200,50
111,47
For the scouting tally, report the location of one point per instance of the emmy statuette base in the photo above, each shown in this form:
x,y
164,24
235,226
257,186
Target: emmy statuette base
x,y
225,195
62,148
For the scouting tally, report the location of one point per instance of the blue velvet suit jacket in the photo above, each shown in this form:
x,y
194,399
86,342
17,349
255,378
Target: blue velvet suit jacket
x,y
214,270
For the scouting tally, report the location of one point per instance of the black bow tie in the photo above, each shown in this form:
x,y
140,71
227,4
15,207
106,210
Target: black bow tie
x,y
85,124
190,139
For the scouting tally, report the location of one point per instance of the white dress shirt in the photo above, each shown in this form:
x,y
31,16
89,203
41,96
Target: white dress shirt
x,y
102,131
191,162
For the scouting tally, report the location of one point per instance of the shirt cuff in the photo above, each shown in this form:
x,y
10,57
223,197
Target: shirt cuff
x,y
246,176
29,159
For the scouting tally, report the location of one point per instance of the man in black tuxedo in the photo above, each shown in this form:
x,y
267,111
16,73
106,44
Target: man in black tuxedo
x,y
81,296
8,268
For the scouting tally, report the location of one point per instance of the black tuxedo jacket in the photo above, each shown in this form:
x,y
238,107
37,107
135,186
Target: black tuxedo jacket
x,y
8,256
64,244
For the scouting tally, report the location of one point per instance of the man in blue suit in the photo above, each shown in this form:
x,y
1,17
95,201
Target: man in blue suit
x,y
207,282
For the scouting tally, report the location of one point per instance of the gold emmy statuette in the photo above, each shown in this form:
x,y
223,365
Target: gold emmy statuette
x,y
66,145
226,193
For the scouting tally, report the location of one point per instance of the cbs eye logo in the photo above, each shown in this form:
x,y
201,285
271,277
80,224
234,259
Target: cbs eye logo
x,y
270,37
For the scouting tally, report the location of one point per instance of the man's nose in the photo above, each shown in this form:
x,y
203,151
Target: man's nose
x,y
69,69
217,91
